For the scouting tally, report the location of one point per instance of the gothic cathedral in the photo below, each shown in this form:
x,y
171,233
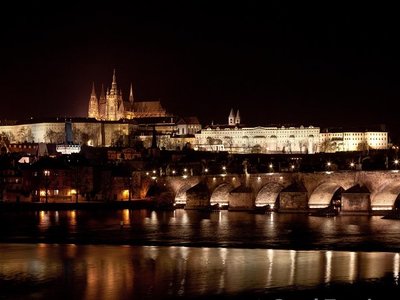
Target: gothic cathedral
x,y
112,107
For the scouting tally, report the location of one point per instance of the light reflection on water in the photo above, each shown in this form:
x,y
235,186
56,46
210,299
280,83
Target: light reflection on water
x,y
125,272
217,229
228,252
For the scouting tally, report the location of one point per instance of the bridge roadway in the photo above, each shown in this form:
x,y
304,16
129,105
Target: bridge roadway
x,y
356,191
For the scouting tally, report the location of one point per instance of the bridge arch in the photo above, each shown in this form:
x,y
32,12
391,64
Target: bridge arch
x,y
268,194
180,197
386,197
322,196
220,195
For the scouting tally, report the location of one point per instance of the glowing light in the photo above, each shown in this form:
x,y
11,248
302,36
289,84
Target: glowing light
x,y
223,168
184,170
173,171
147,173
214,178
292,167
154,177
258,178
154,171
72,192
233,178
271,166
126,216
381,208
42,193
125,194
352,164
328,163
328,271
185,176
206,170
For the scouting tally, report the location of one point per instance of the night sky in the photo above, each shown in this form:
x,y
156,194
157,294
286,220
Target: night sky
x,y
277,63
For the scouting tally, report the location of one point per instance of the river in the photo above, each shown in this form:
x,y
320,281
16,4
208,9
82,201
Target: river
x,y
191,254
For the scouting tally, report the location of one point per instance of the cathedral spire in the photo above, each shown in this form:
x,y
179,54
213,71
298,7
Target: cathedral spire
x,y
114,90
93,90
114,77
131,95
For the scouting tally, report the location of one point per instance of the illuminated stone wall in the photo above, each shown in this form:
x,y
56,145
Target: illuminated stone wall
x,y
90,133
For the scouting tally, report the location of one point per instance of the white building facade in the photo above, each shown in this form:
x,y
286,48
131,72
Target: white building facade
x,y
236,139
353,141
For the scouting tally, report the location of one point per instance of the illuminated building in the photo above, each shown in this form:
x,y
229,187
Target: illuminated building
x,y
236,138
339,140
112,107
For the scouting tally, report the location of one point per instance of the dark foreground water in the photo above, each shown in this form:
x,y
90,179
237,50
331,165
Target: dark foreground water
x,y
189,254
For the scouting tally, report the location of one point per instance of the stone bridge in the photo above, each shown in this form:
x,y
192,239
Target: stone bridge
x,y
354,191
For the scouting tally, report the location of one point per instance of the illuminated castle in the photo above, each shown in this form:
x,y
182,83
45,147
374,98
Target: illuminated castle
x,y
112,107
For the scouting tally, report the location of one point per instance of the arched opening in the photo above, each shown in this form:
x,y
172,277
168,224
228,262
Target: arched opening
x,y
325,195
269,195
387,196
220,196
180,198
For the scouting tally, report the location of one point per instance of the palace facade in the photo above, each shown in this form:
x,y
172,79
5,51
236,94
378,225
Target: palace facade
x,y
236,138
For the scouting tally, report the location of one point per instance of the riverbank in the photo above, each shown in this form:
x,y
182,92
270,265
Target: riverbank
x,y
38,206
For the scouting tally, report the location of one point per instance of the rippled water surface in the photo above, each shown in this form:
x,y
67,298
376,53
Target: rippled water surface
x,y
185,254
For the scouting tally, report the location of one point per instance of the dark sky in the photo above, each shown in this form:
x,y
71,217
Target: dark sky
x,y
277,63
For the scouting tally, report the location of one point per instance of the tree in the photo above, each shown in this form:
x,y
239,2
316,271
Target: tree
x,y
52,136
363,146
327,146
24,134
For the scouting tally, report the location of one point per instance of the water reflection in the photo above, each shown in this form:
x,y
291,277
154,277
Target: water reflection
x,y
217,229
123,272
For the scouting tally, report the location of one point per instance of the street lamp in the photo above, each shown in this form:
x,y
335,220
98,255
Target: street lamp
x,y
46,182
328,165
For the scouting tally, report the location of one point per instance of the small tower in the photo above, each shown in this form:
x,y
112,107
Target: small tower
x,y
237,118
93,111
231,118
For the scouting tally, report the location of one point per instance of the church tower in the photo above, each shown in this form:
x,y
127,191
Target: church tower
x,y
93,111
237,118
231,118
112,100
